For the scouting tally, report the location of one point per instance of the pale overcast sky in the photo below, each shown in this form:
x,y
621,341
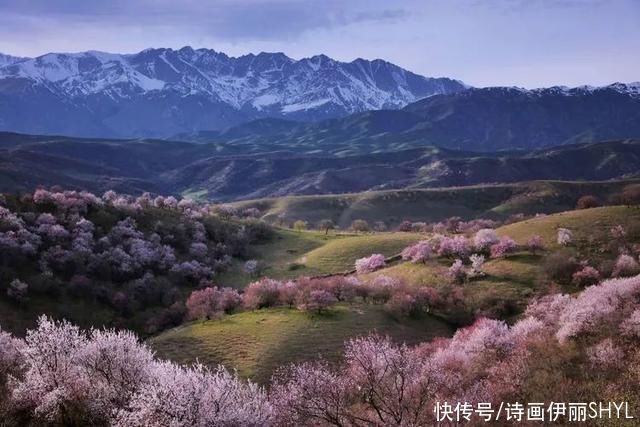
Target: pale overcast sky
x,y
529,43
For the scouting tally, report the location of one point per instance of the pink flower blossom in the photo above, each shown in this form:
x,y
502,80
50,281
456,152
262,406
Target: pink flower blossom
x,y
212,302
535,244
626,265
370,263
505,246
485,238
453,246
419,252
457,272
586,312
316,300
196,396
587,276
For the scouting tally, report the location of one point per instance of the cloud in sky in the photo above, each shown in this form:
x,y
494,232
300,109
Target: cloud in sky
x,y
483,42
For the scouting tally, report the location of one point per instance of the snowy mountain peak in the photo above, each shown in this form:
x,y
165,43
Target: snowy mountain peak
x,y
163,91
632,89
265,81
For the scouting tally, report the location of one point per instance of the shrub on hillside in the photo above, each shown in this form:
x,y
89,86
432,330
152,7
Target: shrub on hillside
x,y
587,202
477,262
535,244
379,226
586,276
565,236
457,273
251,266
380,289
326,225
505,246
360,226
629,196
405,226
560,266
18,290
625,266
212,302
316,300
300,225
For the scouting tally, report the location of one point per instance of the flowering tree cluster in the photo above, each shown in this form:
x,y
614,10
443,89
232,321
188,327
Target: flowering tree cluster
x,y
60,375
586,345
471,251
319,294
384,383
456,246
129,253
450,225
211,302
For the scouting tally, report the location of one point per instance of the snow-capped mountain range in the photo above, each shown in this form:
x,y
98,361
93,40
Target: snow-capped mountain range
x,y
164,92
632,89
159,92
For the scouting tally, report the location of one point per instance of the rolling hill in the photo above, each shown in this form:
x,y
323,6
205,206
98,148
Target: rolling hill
x,y
226,172
257,342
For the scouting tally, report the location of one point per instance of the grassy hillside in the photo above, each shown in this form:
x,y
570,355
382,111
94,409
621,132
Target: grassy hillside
x,y
394,206
258,342
294,253
591,227
340,255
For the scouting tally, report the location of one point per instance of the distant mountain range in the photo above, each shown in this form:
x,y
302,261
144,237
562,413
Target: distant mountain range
x,y
477,119
229,172
311,105
161,92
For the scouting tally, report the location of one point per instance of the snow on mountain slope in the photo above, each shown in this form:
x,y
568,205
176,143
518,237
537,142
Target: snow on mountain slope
x,y
8,59
632,89
211,83
160,92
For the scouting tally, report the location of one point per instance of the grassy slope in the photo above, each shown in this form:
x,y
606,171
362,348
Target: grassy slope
x,y
258,342
340,255
591,227
284,256
519,276
393,206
